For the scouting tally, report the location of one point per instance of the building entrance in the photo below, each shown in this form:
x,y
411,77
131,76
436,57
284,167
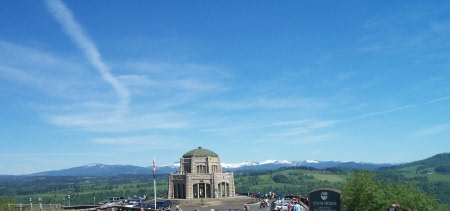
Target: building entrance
x,y
202,190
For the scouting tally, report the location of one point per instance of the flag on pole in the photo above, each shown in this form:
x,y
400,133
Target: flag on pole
x,y
154,168
154,180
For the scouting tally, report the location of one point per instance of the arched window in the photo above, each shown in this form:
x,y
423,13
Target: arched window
x,y
201,169
214,168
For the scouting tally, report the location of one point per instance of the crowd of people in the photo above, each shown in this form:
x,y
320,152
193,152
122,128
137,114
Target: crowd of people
x,y
281,203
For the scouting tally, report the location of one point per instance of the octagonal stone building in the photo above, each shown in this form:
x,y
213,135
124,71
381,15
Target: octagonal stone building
x,y
200,176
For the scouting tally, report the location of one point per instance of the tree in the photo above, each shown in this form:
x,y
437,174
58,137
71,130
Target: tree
x,y
411,196
280,178
363,192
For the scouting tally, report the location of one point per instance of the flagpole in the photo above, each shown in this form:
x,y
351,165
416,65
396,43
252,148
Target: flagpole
x,y
154,180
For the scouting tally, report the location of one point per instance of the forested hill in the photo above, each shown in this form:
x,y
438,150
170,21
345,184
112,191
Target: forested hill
x,y
439,163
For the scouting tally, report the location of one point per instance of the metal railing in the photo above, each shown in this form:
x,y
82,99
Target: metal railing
x,y
30,207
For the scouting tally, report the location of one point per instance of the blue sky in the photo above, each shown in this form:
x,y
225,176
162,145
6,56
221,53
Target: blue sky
x,y
123,82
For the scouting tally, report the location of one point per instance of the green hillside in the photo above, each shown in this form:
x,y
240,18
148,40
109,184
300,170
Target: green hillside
x,y
435,169
431,175
295,180
439,163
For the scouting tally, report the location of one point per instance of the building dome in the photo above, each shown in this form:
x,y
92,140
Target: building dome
x,y
200,152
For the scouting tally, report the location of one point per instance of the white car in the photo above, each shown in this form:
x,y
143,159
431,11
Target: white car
x,y
131,204
281,205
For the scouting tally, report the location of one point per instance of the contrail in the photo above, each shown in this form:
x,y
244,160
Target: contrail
x,y
399,108
74,30
437,100
383,112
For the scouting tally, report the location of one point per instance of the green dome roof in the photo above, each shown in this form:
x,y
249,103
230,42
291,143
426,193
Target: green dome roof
x,y
200,152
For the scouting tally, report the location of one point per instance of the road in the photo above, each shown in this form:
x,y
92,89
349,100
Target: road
x,y
231,207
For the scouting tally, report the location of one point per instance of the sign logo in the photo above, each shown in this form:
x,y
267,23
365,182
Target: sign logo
x,y
324,195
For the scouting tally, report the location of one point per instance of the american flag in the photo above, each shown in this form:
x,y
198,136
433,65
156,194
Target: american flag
x,y
154,168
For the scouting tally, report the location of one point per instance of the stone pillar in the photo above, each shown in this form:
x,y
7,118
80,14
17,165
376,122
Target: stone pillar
x,y
182,165
189,191
170,187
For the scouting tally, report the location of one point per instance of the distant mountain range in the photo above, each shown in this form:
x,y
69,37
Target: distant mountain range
x,y
114,170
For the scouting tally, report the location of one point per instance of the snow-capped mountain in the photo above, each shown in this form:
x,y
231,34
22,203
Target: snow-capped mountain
x,y
96,169
267,162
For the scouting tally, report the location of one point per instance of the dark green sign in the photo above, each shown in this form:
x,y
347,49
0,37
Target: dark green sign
x,y
325,200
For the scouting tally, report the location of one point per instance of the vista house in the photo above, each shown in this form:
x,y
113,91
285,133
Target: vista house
x,y
200,176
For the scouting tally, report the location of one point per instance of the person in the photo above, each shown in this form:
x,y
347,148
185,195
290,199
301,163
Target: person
x,y
394,207
178,208
406,209
297,207
246,207
261,203
293,201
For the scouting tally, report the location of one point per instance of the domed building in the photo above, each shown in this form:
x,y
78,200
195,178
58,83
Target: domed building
x,y
200,176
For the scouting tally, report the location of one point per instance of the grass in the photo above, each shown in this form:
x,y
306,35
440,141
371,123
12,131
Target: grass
x,y
329,177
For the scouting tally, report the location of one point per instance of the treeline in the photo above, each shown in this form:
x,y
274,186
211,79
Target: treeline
x,y
82,190
298,180
445,169
41,184
366,191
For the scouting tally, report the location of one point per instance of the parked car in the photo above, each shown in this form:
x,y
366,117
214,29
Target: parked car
x,y
136,199
164,205
131,204
113,200
260,195
281,205
139,204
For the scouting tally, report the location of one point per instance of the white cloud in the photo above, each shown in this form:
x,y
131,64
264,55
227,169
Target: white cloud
x,y
308,123
38,70
431,131
267,103
108,122
74,30
81,100
44,154
143,143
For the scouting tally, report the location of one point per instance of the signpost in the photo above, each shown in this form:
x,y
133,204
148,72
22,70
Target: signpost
x,y
325,200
